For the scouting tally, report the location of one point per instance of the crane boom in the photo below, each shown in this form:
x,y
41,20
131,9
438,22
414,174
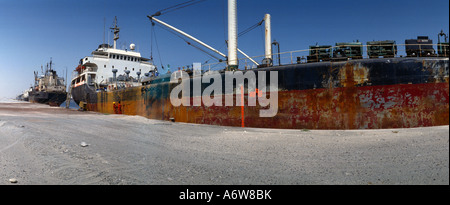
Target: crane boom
x,y
186,35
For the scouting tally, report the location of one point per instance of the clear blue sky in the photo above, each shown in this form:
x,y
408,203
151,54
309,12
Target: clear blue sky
x,y
32,31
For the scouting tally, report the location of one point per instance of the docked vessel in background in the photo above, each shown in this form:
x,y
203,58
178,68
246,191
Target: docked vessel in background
x,y
48,88
334,88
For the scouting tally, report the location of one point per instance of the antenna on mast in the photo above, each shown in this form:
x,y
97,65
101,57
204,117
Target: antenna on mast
x,y
104,29
51,63
116,32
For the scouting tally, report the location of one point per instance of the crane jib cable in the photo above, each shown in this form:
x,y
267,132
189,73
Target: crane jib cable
x,y
250,28
176,7
190,43
153,36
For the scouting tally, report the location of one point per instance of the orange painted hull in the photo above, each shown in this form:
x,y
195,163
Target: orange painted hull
x,y
359,94
368,107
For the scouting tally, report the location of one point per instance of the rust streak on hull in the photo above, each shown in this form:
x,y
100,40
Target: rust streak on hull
x,y
358,94
348,107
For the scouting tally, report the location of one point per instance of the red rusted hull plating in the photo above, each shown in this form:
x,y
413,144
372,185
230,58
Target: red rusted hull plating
x,y
359,94
367,107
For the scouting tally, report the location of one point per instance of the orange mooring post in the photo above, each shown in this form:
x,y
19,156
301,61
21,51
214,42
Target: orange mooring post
x,y
242,105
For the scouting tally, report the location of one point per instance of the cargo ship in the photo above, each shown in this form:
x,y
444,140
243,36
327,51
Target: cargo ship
x,y
48,88
335,87
109,68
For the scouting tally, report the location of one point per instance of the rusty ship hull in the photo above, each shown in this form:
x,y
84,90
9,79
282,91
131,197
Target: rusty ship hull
x,y
357,94
54,99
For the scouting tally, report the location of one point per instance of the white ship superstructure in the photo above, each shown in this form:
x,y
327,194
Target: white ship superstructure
x,y
109,66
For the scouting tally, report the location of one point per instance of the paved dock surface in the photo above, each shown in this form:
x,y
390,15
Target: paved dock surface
x,y
46,145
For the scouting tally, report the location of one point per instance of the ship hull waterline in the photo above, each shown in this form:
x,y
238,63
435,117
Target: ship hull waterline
x,y
359,94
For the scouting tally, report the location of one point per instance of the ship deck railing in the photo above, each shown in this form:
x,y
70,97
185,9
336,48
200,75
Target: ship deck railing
x,y
300,56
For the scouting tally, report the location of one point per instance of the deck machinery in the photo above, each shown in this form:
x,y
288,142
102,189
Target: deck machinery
x,y
319,53
345,51
443,49
385,49
420,47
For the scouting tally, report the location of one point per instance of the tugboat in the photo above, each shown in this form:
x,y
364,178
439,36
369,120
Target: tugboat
x,y
48,88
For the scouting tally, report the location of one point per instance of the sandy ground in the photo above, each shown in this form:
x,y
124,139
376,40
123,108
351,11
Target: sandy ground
x,y
42,145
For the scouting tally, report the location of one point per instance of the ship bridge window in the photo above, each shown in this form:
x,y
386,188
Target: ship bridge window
x,y
121,57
